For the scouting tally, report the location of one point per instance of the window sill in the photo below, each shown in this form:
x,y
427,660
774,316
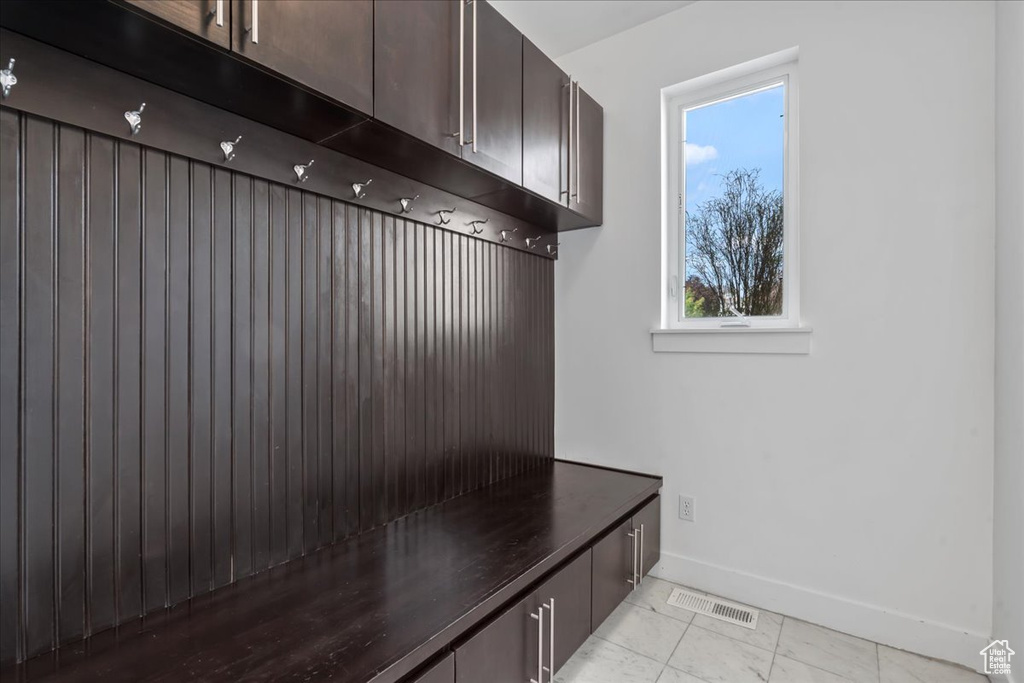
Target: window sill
x,y
755,340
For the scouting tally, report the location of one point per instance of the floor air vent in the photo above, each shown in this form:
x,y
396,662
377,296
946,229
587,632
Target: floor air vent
x,y
714,607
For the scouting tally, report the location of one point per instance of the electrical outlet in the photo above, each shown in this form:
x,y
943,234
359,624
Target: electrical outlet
x,y
686,508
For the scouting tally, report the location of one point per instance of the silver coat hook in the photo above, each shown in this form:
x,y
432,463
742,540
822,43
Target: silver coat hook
x,y
7,78
134,118
474,228
553,248
443,216
406,203
302,171
228,147
506,235
360,188
531,242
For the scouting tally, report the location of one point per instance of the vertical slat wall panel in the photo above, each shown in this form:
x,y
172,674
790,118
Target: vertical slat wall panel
x,y
205,375
10,383
101,422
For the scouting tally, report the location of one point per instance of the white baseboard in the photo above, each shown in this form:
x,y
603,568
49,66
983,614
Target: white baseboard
x,y
901,631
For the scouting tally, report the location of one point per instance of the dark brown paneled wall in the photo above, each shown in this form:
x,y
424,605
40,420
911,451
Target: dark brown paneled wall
x,y
206,374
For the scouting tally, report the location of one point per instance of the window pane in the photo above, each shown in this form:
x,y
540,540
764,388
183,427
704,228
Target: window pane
x,y
734,158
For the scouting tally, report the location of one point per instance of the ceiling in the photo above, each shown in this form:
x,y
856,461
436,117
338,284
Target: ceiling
x,y
559,27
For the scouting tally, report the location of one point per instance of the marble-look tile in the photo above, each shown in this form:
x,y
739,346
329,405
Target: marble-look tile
x,y
765,636
786,670
832,651
642,631
715,658
653,594
897,666
670,675
598,661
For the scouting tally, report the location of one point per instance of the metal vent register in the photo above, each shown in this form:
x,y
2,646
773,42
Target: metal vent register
x,y
714,607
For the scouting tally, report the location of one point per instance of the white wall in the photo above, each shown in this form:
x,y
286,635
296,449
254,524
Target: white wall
x,y
1008,608
851,487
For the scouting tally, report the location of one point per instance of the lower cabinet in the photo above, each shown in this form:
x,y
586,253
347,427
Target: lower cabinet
x,y
613,571
535,636
441,672
647,521
623,557
532,639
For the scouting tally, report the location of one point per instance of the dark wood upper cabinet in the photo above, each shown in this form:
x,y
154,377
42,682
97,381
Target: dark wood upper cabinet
x,y
612,571
208,19
493,102
648,520
325,46
416,69
545,126
586,159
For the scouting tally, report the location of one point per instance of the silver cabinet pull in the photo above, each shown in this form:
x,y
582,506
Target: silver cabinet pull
x,y
551,642
569,145
640,561
475,3
254,29
539,616
576,149
462,74
632,552
218,12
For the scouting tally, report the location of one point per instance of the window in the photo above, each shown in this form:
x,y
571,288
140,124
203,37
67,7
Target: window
x,y
730,229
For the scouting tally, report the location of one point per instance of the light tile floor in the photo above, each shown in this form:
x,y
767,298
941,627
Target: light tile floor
x,y
647,641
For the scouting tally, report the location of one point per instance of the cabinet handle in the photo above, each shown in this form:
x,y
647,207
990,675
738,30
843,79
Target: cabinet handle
x,y
475,3
578,194
539,616
551,642
218,12
568,184
632,551
640,560
462,74
254,28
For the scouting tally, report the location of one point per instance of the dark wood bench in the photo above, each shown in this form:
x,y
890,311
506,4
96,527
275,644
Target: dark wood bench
x,y
457,582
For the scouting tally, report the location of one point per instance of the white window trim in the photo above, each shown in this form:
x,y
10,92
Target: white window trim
x,y
737,80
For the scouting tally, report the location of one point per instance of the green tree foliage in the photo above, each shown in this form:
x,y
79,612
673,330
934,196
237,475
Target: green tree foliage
x,y
694,307
734,246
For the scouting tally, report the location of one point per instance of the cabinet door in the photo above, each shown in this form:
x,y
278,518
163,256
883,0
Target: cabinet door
x,y
612,572
209,19
648,519
545,125
494,117
586,161
505,651
568,624
416,69
442,672
326,46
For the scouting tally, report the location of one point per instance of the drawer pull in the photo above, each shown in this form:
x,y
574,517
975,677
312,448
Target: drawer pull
x,y
539,616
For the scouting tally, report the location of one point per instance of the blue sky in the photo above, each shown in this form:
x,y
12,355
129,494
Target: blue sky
x,y
745,132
